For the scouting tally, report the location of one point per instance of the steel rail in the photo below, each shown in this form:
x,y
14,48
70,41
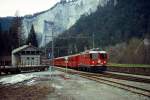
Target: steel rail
x,y
98,78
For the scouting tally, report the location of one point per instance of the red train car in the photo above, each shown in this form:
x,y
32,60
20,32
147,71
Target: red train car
x,y
95,60
73,61
60,61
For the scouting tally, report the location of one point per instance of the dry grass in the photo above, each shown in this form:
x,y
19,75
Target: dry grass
x,y
36,92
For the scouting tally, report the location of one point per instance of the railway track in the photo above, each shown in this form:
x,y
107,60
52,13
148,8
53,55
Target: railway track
x,y
106,78
124,77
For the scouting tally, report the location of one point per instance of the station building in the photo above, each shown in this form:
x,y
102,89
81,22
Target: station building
x,y
26,55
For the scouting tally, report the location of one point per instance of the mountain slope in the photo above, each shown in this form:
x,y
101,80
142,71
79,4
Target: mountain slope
x,y
117,21
63,15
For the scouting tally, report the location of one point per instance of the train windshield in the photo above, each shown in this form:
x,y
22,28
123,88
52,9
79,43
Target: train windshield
x,y
94,55
103,55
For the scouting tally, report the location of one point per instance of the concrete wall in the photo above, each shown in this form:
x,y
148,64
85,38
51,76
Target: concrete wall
x,y
15,60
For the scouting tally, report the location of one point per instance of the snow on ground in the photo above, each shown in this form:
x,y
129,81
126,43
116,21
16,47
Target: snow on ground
x,y
15,79
57,86
31,82
41,74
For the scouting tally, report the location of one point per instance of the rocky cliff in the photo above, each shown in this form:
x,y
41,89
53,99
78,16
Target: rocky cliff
x,y
59,18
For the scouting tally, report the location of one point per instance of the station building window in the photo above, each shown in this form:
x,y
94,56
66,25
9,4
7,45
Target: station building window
x,y
28,58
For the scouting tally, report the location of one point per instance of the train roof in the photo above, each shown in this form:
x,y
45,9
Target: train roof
x,y
97,51
90,51
60,57
102,52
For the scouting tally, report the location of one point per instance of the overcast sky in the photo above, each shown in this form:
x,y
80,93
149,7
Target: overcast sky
x,y
9,7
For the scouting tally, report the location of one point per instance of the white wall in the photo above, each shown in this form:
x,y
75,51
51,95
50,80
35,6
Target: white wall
x,y
30,59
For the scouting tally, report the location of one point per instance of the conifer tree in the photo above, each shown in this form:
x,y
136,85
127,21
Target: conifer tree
x,y
32,37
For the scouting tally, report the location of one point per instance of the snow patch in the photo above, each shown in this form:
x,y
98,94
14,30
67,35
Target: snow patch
x,y
57,86
15,79
32,82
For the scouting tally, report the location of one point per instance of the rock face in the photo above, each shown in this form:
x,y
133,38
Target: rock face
x,y
59,18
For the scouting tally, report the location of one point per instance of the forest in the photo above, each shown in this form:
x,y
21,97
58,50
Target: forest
x,y
13,37
119,25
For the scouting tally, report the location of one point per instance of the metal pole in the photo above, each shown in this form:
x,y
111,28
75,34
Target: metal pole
x,y
52,48
66,66
66,61
45,45
93,40
45,51
52,55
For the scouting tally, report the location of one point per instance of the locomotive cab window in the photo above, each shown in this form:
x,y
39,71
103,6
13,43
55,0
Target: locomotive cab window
x,y
103,55
94,55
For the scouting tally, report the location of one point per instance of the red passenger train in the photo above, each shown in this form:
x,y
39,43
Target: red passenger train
x,y
95,60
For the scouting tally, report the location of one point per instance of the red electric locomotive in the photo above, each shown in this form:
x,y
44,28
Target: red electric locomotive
x,y
95,60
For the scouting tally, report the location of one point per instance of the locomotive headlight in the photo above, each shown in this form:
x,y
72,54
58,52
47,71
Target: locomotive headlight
x,y
99,61
104,62
93,62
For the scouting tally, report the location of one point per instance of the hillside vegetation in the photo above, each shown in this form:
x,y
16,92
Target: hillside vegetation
x,y
118,22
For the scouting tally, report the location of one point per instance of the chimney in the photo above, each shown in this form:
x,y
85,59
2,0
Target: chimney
x,y
30,44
